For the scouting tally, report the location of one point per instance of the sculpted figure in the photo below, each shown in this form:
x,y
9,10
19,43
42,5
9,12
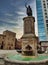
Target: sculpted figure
x,y
28,11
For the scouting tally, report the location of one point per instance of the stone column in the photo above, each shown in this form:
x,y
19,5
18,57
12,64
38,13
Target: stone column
x,y
29,25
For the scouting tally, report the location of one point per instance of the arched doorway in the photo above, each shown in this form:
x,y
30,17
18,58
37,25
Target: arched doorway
x,y
2,45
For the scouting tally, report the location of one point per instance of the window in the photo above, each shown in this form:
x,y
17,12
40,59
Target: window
x,y
2,45
46,21
47,25
44,4
45,13
43,1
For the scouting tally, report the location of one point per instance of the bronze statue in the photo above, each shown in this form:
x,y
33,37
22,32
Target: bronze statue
x,y
28,11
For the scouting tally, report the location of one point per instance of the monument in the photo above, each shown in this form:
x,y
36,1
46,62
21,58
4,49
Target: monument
x,y
29,54
29,39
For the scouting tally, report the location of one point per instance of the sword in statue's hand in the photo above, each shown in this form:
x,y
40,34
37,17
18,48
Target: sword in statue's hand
x,y
26,4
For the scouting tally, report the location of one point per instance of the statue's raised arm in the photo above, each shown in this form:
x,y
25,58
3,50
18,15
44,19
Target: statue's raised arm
x,y
26,5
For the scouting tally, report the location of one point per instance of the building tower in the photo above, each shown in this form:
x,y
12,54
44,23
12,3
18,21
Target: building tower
x,y
42,19
9,42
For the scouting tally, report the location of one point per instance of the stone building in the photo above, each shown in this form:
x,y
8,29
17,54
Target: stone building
x,y
44,45
9,42
18,44
2,38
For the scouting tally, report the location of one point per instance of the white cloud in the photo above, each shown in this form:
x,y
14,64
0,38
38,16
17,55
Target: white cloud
x,y
8,14
8,20
19,32
21,13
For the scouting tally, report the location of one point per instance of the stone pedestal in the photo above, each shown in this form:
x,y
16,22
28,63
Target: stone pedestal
x,y
29,39
29,45
29,25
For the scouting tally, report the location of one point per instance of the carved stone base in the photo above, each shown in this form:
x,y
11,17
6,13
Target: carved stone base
x,y
29,45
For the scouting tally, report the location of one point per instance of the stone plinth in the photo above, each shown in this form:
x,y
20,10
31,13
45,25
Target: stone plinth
x,y
29,25
29,45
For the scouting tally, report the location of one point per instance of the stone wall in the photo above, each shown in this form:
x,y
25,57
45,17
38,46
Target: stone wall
x,y
12,63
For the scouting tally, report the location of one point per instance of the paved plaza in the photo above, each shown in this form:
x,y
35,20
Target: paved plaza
x,y
3,53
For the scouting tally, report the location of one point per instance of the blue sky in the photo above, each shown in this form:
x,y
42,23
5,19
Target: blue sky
x,y
12,13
